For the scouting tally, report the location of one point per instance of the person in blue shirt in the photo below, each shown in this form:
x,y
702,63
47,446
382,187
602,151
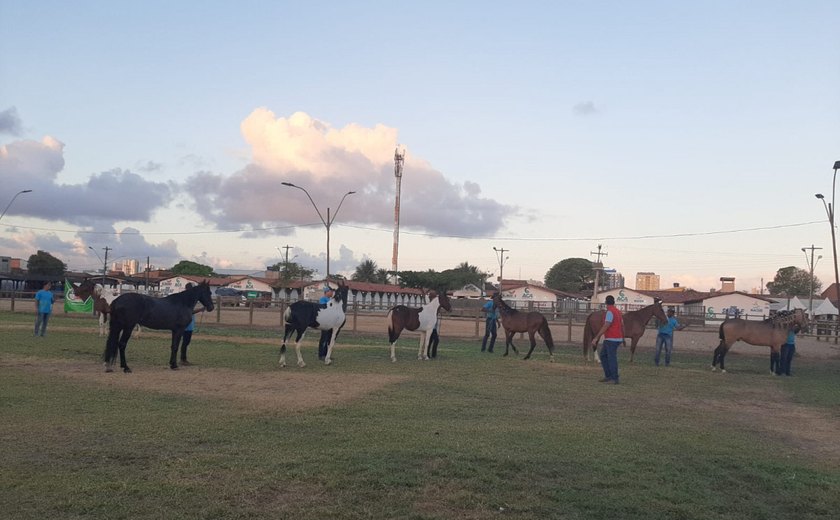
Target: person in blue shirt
x,y
188,332
44,301
788,350
326,335
665,337
490,324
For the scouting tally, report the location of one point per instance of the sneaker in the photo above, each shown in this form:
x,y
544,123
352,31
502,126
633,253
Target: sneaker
x,y
604,380
616,381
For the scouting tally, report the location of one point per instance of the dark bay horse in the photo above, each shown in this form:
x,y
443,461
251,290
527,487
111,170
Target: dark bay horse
x,y
101,300
771,332
531,322
173,312
303,315
635,323
423,319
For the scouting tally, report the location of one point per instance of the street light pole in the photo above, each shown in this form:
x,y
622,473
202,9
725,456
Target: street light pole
x,y
829,209
104,262
328,221
500,252
13,199
811,274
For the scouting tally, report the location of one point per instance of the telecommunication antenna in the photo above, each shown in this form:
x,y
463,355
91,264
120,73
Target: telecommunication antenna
x,y
399,160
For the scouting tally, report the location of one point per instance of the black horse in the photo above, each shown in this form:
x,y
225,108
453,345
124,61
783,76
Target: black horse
x,y
303,315
171,313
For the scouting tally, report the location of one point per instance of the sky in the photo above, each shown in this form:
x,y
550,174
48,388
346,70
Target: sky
x,y
686,138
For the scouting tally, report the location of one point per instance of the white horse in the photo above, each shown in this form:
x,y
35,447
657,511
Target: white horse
x,y
422,319
303,315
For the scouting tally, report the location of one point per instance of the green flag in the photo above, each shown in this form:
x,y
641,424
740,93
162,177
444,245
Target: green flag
x,y
74,304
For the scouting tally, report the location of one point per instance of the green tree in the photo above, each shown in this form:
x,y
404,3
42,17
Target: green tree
x,y
192,268
571,274
422,279
464,274
792,281
368,271
291,271
44,263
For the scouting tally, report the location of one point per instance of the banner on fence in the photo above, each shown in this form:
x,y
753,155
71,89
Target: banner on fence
x,y
73,303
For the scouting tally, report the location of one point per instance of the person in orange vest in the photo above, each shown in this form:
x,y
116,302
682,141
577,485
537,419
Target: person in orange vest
x,y
613,332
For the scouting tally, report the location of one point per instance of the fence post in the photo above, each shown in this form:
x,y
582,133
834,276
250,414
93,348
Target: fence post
x,y
218,309
13,300
251,312
355,315
570,326
477,320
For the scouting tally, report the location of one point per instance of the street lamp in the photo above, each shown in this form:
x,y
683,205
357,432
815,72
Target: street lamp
x,y
829,210
13,199
104,262
500,253
327,222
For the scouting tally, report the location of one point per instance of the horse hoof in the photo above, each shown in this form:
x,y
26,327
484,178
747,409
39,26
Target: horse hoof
x,y
526,357
393,360
328,361
282,365
714,369
722,371
301,364
109,369
551,359
126,370
173,367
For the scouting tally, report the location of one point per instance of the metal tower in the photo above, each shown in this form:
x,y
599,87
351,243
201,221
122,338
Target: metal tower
x,y
399,159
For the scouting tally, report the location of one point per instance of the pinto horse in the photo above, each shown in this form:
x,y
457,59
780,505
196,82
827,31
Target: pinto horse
x,y
531,322
771,332
173,312
635,323
303,315
423,319
101,300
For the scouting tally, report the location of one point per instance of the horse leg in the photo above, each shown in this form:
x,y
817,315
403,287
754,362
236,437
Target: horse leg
x,y
111,347
101,324
286,334
328,358
124,337
300,336
533,344
775,358
633,342
510,339
421,355
173,356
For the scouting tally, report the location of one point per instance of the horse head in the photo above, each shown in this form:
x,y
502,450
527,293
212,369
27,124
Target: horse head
x,y
443,299
658,311
341,294
205,295
800,317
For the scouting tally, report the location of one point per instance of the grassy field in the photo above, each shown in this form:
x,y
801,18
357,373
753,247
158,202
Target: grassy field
x,y
468,435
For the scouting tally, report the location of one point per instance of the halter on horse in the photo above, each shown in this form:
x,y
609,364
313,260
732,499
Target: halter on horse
x,y
635,323
423,319
531,322
771,332
173,313
302,315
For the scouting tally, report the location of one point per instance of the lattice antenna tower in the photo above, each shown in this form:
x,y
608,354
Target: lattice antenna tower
x,y
399,161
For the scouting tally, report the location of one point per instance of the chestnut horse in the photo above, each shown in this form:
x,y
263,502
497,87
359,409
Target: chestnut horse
x,y
635,323
101,300
771,332
423,319
531,322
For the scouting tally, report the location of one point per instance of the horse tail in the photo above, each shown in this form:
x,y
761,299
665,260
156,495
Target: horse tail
x,y
390,317
545,332
112,343
721,335
587,337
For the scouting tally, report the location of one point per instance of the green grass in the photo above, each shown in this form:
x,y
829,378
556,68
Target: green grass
x,y
469,436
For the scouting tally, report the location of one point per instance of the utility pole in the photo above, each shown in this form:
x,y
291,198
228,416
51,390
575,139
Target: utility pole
x,y
500,252
105,265
286,247
148,268
811,273
598,268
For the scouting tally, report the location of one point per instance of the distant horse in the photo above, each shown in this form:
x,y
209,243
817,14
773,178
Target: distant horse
x,y
531,322
771,332
302,315
174,312
101,300
423,319
635,323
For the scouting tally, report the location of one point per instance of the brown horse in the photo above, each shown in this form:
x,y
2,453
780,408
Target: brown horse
x,y
423,319
531,322
771,332
634,326
101,304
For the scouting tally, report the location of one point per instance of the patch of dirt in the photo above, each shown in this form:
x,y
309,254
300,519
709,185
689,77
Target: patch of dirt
x,y
810,431
284,390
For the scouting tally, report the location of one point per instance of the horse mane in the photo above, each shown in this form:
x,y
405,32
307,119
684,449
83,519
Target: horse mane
x,y
784,318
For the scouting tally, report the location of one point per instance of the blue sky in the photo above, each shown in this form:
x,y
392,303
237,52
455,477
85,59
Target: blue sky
x,y
546,128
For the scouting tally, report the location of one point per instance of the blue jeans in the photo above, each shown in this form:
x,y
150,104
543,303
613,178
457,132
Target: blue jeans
x,y
41,322
788,350
609,358
667,341
489,332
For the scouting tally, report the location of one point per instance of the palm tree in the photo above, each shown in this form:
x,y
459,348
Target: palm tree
x,y
369,272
